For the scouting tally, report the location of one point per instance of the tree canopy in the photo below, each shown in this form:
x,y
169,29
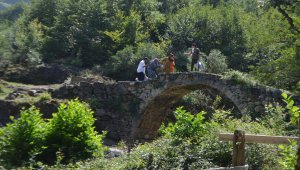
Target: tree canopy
x,y
260,37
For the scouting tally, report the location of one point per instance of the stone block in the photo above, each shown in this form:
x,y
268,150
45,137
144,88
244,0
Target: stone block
x,y
100,112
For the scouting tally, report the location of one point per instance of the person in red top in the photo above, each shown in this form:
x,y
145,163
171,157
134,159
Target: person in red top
x,y
169,64
172,62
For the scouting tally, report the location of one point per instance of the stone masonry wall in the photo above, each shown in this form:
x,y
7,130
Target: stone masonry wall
x,y
128,110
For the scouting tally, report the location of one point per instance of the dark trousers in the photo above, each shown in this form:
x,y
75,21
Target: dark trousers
x,y
194,61
141,76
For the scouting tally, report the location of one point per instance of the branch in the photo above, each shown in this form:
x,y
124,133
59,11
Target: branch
x,y
289,19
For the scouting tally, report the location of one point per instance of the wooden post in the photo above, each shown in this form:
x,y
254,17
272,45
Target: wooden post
x,y
298,154
239,138
238,157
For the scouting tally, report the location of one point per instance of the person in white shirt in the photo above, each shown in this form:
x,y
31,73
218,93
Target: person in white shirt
x,y
141,70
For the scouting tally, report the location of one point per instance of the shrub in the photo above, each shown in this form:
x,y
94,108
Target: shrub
x,y
23,139
195,138
187,126
240,78
45,97
197,100
150,50
216,62
289,153
72,134
182,61
122,65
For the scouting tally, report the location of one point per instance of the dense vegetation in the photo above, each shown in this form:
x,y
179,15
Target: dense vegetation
x,y
252,41
189,143
257,37
68,136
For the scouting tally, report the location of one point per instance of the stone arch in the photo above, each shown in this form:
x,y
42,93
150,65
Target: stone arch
x,y
147,124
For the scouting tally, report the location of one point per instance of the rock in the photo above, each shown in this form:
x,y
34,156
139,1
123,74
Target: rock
x,y
114,152
13,95
32,93
43,74
259,109
100,112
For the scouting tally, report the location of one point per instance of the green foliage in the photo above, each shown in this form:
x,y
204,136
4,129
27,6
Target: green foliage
x,y
240,78
23,139
293,110
72,133
182,61
45,97
12,13
275,118
201,150
258,156
289,153
211,28
216,62
196,97
205,99
256,36
68,136
122,65
186,126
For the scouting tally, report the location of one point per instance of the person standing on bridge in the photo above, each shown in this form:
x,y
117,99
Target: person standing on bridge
x,y
195,54
169,64
141,70
152,68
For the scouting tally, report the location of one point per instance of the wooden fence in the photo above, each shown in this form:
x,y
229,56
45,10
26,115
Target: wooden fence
x,y
239,139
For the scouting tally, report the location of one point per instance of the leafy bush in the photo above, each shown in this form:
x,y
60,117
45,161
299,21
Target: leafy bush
x,y
293,110
216,62
150,50
275,118
240,78
288,152
23,139
197,146
196,141
181,61
45,97
122,65
205,99
187,126
72,133
68,136
262,156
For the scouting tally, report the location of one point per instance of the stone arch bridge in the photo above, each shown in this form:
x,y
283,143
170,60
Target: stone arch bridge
x,y
129,110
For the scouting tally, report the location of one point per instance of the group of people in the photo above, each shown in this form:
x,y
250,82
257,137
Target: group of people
x,y
167,64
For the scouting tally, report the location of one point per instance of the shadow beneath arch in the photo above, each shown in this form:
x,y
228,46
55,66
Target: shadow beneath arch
x,y
147,124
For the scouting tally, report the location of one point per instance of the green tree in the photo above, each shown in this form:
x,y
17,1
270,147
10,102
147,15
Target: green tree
x,y
24,139
72,134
